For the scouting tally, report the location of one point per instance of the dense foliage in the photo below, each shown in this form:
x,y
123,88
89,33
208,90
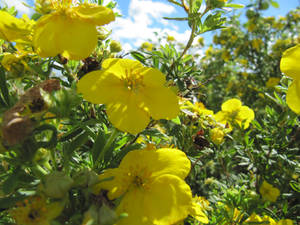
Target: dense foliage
x,y
92,135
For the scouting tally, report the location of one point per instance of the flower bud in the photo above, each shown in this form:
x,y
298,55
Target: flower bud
x,y
57,184
115,46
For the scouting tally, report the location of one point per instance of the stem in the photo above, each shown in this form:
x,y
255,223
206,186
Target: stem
x,y
192,35
52,155
38,171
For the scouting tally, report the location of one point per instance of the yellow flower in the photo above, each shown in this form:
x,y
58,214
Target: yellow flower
x,y
285,222
170,38
233,38
256,43
257,219
244,62
199,204
289,65
36,211
253,218
200,41
70,31
269,192
14,29
272,82
14,63
217,135
147,46
132,93
197,107
152,186
226,56
233,112
269,220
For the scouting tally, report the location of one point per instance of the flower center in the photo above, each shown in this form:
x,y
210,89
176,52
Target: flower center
x,y
33,214
133,80
139,177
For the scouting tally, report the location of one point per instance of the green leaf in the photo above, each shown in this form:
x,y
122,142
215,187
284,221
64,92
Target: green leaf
x,y
3,86
11,183
176,18
98,145
9,202
235,6
176,120
139,56
274,4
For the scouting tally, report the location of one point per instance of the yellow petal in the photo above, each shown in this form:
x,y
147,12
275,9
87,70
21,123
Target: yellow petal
x,y
101,87
285,222
111,180
93,13
153,77
159,162
128,116
289,63
221,117
45,38
166,202
12,28
245,115
293,96
231,105
56,34
78,40
121,67
161,102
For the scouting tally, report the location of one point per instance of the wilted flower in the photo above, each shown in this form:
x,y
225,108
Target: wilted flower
x,y
36,211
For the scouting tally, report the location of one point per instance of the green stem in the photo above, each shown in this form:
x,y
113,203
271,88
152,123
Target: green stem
x,y
53,158
38,171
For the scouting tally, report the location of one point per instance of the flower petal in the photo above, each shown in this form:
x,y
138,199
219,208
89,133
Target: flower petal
x,y
161,102
112,181
128,115
12,28
78,39
293,96
121,67
101,87
245,115
289,63
158,162
231,105
167,201
93,13
45,35
72,38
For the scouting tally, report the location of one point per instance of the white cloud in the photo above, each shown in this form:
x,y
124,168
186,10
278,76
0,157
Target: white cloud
x,y
144,18
18,4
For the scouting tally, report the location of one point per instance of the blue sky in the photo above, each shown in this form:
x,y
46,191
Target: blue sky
x,y
141,18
